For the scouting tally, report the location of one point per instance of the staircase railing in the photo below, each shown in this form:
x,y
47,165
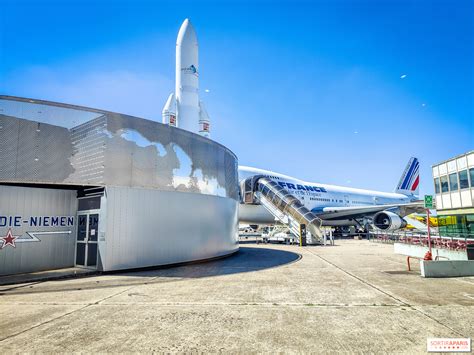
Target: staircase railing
x,y
285,207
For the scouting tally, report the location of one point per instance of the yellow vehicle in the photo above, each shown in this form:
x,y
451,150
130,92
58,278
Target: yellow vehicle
x,y
422,219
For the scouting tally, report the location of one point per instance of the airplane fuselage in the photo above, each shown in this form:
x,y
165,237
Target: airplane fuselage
x,y
317,197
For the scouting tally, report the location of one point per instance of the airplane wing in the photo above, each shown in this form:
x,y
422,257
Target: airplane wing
x,y
402,210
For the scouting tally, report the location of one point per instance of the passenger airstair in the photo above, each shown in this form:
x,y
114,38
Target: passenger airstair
x,y
285,207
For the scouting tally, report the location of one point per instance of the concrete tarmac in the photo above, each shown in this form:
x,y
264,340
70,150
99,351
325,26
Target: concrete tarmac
x,y
354,297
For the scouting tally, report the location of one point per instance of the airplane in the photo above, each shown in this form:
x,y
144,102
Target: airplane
x,y
343,207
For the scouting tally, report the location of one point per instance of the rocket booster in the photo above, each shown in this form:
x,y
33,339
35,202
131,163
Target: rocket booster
x,y
169,111
204,121
183,109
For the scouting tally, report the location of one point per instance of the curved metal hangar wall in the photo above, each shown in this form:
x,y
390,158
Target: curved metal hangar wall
x,y
97,189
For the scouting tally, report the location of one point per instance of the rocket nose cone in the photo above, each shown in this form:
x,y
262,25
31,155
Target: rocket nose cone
x,y
186,33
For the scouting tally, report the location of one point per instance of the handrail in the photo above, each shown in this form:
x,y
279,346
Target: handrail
x,y
280,199
412,257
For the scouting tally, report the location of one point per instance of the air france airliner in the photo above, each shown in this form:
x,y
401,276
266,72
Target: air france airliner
x,y
343,206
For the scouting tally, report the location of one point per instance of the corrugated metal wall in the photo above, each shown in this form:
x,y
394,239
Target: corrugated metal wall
x,y
53,250
148,227
171,195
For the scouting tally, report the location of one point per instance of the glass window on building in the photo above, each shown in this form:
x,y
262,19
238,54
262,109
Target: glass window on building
x,y
470,225
463,180
444,184
436,182
471,176
461,226
453,182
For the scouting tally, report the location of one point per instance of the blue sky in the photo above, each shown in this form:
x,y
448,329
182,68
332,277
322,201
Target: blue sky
x,y
290,83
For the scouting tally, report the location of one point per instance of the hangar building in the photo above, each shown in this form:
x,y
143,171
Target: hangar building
x,y
107,191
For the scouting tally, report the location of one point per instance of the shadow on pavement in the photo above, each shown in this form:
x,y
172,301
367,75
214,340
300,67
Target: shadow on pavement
x,y
247,259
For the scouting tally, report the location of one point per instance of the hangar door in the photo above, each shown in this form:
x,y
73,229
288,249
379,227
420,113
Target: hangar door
x,y
86,243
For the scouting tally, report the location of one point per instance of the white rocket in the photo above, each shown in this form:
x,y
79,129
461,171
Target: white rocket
x,y
183,108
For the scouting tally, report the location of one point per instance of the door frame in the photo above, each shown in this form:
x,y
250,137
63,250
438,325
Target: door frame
x,y
86,241
347,202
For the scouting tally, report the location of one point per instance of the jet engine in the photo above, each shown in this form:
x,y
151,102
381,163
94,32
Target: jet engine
x,y
388,221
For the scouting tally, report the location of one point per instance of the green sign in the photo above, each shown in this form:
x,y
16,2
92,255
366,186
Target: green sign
x,y
428,201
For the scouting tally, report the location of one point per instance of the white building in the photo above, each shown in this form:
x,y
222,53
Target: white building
x,y
454,189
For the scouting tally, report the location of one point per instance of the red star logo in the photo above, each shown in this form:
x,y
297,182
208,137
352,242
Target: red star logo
x,y
9,239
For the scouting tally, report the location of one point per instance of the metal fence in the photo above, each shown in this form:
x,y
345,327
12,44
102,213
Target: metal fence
x,y
420,238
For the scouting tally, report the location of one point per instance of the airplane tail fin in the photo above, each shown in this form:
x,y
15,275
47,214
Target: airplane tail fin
x,y
410,179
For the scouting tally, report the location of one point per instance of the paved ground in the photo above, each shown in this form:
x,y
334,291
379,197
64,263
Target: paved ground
x,y
45,276
356,297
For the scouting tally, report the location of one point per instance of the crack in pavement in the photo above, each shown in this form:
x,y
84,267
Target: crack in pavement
x,y
68,313
206,304
387,294
399,303
13,287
